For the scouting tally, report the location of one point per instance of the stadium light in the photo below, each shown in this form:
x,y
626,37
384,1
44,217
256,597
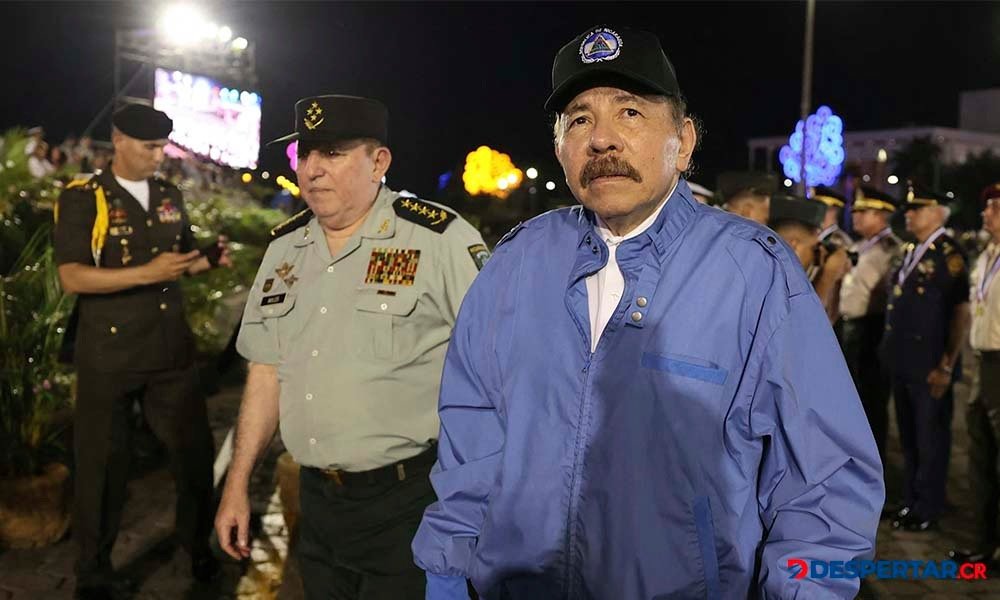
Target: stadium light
x,y
181,24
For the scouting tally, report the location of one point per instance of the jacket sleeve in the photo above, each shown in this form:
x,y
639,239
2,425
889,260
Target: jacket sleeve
x,y
820,485
471,439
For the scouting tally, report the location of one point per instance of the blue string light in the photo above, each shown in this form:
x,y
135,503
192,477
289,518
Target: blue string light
x,y
824,142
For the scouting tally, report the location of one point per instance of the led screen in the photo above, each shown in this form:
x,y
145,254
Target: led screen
x,y
211,120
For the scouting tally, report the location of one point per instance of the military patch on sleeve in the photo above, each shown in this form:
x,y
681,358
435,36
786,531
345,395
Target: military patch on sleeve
x,y
419,212
480,254
392,266
956,264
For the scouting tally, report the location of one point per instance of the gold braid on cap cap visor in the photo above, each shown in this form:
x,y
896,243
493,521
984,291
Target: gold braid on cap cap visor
x,y
829,200
911,198
873,204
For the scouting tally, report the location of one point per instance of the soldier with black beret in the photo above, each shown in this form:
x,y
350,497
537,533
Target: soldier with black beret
x,y
122,240
927,320
346,329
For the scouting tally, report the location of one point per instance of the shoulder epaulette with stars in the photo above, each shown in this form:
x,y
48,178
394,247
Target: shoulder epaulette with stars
x,y
417,211
291,224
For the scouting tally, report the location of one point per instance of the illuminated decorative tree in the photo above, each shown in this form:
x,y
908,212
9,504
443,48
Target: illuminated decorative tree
x,y
824,149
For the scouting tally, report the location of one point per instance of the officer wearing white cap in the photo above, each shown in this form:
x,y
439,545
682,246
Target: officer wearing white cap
x,y
346,329
122,241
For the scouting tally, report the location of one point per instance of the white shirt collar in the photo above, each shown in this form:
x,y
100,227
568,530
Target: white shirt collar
x,y
611,239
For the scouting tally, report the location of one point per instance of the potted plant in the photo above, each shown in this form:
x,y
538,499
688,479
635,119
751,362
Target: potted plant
x,y
35,393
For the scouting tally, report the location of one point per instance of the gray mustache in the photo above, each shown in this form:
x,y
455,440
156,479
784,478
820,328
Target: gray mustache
x,y
608,167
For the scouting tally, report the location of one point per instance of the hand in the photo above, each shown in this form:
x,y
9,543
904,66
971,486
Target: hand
x,y
232,523
838,263
170,266
939,380
224,259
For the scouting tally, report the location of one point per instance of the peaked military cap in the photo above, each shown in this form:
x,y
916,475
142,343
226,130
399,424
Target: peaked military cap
x,y
917,196
335,117
868,198
828,196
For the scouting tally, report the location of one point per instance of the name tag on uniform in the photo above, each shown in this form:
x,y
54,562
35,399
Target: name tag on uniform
x,y
275,299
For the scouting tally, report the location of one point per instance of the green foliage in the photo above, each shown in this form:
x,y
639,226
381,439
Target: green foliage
x,y
33,313
34,386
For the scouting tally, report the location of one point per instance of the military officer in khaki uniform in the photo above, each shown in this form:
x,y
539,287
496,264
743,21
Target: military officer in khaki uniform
x,y
122,240
346,330
863,298
983,410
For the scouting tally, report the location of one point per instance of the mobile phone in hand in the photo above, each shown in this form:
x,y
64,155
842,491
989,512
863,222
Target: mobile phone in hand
x,y
213,252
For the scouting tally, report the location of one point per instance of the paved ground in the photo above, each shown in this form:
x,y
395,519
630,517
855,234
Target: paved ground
x,y
956,526
145,552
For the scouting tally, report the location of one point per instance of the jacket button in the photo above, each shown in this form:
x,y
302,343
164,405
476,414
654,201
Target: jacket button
x,y
771,240
155,249
149,222
114,329
636,316
163,306
641,301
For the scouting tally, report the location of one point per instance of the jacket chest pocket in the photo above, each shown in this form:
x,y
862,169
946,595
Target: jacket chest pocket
x,y
274,312
379,323
687,387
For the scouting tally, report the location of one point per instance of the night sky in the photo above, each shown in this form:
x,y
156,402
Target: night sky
x,y
456,76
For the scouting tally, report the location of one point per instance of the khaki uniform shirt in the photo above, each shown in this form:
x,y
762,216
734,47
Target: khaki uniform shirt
x,y
359,338
985,332
864,290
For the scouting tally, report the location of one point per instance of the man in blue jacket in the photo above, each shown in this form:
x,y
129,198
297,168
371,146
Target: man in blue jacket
x,y
643,397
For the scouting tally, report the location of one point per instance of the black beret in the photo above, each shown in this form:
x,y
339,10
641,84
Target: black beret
x,y
334,117
794,208
142,122
618,57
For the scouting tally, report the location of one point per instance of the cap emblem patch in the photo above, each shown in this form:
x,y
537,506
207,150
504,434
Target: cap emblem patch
x,y
601,45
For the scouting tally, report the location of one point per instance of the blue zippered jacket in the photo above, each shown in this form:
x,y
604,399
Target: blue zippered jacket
x,y
713,436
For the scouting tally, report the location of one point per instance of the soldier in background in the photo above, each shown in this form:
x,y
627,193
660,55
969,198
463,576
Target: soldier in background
x,y
927,320
863,299
747,194
798,221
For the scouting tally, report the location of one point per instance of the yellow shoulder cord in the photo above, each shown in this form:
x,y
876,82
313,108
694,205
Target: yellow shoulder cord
x,y
100,231
73,184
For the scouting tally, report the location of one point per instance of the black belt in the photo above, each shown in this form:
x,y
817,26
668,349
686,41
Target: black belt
x,y
411,467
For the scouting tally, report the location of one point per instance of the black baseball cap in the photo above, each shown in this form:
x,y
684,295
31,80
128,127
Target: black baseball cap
x,y
612,56
336,117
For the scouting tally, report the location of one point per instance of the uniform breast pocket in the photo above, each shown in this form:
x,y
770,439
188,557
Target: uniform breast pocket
x,y
379,325
274,312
